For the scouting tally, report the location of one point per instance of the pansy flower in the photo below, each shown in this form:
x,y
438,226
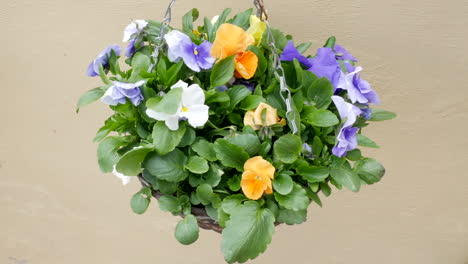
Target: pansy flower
x,y
233,40
358,89
342,54
347,140
120,91
256,178
290,53
256,120
134,28
324,64
102,59
180,46
191,108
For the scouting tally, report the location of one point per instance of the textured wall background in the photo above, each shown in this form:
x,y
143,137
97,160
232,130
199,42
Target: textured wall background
x,y
56,207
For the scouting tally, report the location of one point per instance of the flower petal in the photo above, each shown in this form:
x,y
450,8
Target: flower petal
x,y
252,187
193,95
260,166
249,120
230,40
290,53
246,64
180,84
125,179
134,27
197,115
180,46
205,61
113,96
271,116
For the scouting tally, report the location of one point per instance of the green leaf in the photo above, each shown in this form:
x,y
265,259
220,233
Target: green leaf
x,y
366,142
242,19
230,155
314,197
283,184
303,47
187,230
130,163
346,177
322,118
369,170
107,152
248,142
325,188
205,149
320,92
317,146
197,165
140,201
312,173
248,233
354,155
251,102
231,203
169,203
205,193
222,72
164,139
291,217
169,167
188,19
236,94
287,148
234,183
91,96
296,200
381,115
330,42
140,62
188,138
169,103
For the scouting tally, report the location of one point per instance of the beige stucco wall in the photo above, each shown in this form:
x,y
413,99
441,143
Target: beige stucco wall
x,y
56,207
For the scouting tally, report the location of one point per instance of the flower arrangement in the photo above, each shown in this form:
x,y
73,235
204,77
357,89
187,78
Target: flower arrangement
x,y
229,124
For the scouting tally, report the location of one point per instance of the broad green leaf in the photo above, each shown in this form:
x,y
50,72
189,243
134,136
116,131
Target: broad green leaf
x,y
320,92
366,142
242,19
164,139
169,167
314,197
236,94
168,104
140,62
91,96
354,155
230,155
322,118
205,193
188,138
187,230
248,142
205,149
248,233
222,72
188,19
346,177
107,152
197,165
317,146
283,184
231,203
303,47
140,201
287,148
234,183
169,203
130,163
312,173
221,19
325,188
369,170
381,115
291,217
251,102
296,200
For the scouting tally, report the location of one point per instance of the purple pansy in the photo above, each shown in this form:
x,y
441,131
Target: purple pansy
x,y
130,48
342,54
134,28
347,136
325,65
102,59
366,112
120,91
247,84
194,56
290,53
358,89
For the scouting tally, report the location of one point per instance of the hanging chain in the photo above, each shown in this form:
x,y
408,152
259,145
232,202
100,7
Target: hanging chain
x,y
162,31
285,93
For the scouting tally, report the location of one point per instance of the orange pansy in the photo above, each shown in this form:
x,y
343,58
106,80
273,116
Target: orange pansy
x,y
233,40
254,118
256,178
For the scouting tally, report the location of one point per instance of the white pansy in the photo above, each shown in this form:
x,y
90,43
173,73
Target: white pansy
x,y
125,179
133,28
191,107
214,19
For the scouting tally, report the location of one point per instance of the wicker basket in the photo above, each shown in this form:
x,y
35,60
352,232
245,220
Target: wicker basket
x,y
204,221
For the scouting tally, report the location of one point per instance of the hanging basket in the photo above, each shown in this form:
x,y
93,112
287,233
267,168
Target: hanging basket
x,y
204,221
